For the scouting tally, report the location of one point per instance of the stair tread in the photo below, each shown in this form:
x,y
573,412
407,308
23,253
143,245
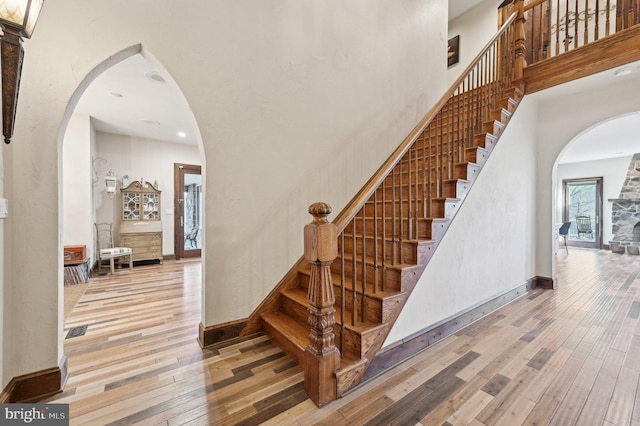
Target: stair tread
x,y
295,332
299,296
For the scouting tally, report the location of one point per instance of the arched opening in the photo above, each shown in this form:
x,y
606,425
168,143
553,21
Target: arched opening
x,y
601,153
127,119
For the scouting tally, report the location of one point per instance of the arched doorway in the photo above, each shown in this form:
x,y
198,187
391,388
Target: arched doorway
x,y
590,171
126,119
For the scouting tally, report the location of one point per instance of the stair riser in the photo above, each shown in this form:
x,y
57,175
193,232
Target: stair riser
x,y
372,249
418,188
493,127
390,276
456,189
431,230
468,171
444,208
407,209
389,228
477,155
485,140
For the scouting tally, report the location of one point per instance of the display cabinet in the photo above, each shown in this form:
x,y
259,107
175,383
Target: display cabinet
x,y
140,226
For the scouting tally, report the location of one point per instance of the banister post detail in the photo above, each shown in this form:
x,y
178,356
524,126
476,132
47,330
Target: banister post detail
x,y
520,62
322,358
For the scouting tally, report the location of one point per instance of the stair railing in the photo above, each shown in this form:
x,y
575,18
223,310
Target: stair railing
x,y
411,185
554,27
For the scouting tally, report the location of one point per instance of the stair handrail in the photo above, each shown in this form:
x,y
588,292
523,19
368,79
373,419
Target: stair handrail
x,y
357,202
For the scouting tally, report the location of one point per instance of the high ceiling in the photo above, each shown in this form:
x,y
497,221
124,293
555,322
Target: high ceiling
x,y
133,98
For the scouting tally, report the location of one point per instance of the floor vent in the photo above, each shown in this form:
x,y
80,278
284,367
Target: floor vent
x,y
77,331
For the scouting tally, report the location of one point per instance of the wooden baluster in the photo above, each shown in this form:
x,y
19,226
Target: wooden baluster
x,y
363,315
322,357
394,236
409,194
384,233
586,27
519,44
566,28
425,170
401,213
557,9
416,192
597,28
430,170
343,293
440,156
354,273
608,25
376,280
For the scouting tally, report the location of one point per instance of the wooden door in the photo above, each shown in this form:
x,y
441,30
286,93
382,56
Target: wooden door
x,y
188,204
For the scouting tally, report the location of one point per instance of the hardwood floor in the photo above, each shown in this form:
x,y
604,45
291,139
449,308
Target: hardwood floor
x,y
558,357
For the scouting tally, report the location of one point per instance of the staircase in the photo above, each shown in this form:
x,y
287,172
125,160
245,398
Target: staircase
x,y
388,233
390,230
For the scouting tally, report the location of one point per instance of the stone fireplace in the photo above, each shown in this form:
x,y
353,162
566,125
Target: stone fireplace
x,y
625,212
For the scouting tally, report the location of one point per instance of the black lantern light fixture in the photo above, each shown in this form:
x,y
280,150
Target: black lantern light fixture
x,y
17,19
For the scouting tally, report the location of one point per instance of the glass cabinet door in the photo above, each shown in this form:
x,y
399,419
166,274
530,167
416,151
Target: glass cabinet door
x,y
130,206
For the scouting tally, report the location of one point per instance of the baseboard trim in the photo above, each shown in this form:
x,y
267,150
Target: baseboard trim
x,y
212,334
543,282
406,348
36,386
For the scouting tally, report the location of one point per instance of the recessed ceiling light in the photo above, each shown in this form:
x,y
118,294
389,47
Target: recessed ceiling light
x,y
622,71
116,95
155,76
150,122
182,134
617,153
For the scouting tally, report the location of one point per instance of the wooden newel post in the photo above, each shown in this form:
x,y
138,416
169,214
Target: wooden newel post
x,y
322,357
519,42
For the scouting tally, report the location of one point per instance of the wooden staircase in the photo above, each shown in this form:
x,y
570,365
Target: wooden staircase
x,y
390,230
334,309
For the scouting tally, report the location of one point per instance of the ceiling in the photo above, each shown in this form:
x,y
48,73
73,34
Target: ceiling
x,y
133,98
619,136
458,7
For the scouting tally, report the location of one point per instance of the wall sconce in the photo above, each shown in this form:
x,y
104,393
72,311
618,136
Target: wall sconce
x,y
99,165
111,181
17,19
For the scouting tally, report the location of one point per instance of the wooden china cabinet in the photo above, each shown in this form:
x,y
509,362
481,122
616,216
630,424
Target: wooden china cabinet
x,y
140,226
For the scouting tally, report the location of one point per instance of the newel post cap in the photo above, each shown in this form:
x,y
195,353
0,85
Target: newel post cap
x,y
320,236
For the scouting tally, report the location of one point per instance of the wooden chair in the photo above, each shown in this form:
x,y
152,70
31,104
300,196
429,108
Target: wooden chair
x,y
106,250
563,231
583,225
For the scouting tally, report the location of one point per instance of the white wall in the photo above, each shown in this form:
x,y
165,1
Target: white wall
x,y
475,28
77,177
488,248
295,103
148,159
613,172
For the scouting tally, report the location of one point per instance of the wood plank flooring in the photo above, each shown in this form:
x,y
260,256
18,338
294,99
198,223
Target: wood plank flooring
x,y
570,356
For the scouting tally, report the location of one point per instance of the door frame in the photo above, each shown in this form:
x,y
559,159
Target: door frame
x,y
597,244
179,170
